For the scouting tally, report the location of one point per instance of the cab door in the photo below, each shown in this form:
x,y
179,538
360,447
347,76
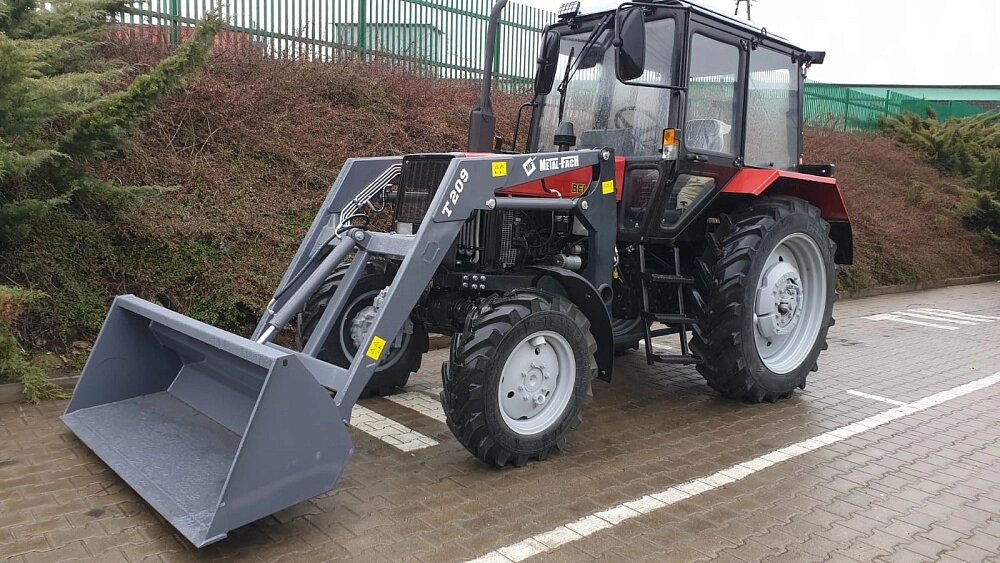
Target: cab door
x,y
712,125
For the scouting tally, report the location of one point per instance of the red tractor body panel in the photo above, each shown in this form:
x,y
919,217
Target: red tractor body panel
x,y
569,185
820,191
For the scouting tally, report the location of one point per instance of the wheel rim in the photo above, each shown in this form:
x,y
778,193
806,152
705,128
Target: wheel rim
x,y
537,383
356,307
790,303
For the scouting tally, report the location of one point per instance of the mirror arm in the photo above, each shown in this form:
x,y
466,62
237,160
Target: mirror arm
x,y
517,124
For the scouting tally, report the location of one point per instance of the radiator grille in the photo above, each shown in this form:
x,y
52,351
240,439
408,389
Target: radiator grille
x,y
418,183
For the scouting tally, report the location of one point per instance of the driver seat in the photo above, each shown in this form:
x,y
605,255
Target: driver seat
x,y
707,134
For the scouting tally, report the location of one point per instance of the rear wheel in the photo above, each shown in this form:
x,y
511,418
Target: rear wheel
x,y
627,334
349,331
518,377
765,294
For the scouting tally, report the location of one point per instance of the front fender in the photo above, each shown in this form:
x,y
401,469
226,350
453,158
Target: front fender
x,y
587,298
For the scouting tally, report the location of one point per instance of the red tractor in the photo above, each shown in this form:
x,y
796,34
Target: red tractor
x,y
660,190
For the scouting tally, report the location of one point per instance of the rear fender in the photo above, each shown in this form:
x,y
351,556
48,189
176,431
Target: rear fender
x,y
820,191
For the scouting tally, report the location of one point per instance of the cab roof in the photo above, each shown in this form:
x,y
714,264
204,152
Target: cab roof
x,y
597,6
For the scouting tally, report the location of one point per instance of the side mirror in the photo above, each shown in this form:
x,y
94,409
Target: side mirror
x,y
630,43
548,56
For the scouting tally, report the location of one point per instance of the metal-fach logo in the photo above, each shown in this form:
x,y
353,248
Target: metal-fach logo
x,y
456,192
529,166
559,162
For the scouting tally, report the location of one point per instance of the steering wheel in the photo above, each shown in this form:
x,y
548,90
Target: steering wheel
x,y
644,137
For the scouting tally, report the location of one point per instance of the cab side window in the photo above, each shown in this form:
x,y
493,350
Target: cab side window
x,y
711,107
772,111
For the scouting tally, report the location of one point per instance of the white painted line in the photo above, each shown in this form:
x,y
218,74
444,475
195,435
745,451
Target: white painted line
x,y
933,317
875,397
420,402
656,346
588,525
959,314
388,430
891,317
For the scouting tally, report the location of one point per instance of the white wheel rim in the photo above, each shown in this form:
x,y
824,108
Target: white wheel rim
x,y
537,383
790,303
347,343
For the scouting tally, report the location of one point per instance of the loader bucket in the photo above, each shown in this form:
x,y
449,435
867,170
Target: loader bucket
x,y
213,430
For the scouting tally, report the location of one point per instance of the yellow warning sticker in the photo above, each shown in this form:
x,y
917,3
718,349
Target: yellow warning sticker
x,y
375,349
499,168
608,187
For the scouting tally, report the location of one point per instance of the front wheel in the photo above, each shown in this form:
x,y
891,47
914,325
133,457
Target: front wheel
x,y
765,294
351,330
518,377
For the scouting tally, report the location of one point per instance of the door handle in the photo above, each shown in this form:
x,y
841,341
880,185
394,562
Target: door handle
x,y
697,158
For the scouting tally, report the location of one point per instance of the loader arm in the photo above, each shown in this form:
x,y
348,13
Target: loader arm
x,y
470,183
215,430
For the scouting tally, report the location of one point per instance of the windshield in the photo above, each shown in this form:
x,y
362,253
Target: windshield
x,y
604,111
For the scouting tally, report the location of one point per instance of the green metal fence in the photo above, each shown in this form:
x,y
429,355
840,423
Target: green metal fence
x,y
847,109
444,38
439,37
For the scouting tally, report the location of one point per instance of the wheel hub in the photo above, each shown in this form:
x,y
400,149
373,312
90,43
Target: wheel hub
x,y
533,388
779,302
362,323
536,383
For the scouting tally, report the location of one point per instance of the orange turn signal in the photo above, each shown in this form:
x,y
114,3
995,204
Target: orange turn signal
x,y
670,144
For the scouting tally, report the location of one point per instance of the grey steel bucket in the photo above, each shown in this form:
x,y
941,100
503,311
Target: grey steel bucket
x,y
211,429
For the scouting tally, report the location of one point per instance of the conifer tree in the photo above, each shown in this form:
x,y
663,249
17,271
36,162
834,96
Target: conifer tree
x,y
59,111
967,147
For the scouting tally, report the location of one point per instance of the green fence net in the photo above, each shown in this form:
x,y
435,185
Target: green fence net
x,y
847,109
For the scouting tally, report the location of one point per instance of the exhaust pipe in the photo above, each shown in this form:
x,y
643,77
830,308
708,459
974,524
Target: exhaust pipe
x,y
482,122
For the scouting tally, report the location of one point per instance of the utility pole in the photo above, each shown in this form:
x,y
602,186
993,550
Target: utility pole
x,y
747,2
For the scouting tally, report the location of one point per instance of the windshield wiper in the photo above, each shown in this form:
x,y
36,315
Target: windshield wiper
x,y
573,65
565,81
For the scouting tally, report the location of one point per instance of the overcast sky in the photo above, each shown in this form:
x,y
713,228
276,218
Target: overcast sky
x,y
883,41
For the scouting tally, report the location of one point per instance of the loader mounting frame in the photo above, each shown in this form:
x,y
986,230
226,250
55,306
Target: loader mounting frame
x,y
215,430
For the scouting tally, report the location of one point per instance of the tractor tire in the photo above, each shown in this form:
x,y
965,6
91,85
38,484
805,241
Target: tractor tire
x,y
395,368
764,295
627,334
518,377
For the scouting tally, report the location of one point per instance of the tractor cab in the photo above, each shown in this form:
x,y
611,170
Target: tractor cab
x,y
685,96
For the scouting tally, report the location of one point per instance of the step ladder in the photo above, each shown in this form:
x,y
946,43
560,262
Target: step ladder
x,y
677,323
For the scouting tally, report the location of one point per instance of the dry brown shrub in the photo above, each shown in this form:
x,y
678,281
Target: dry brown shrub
x,y
251,146
904,212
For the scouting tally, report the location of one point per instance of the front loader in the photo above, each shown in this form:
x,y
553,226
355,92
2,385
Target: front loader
x,y
681,208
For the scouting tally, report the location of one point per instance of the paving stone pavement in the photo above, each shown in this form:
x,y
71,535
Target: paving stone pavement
x,y
923,487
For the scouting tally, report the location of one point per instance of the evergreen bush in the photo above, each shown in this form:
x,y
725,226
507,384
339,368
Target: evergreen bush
x,y
62,108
